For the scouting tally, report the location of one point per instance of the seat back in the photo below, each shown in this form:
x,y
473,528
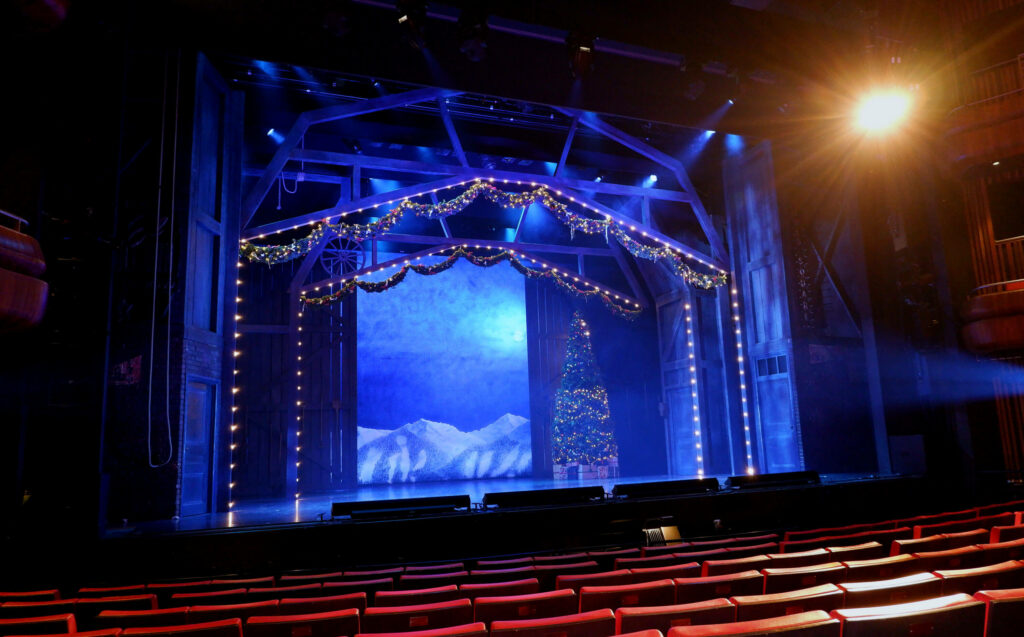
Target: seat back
x,y
561,558
511,562
688,569
110,591
464,630
497,589
226,611
141,618
294,579
329,589
953,615
374,574
736,552
49,594
259,594
963,557
966,538
606,559
656,593
547,574
824,597
15,610
1001,551
696,589
605,578
937,542
673,547
208,598
242,582
987,522
222,628
734,565
42,625
424,569
833,531
1004,611
862,551
305,605
417,596
87,608
646,562
663,618
909,588
418,617
779,580
803,558
533,606
490,576
597,623
338,623
815,623
165,590
1009,574
1005,533
882,568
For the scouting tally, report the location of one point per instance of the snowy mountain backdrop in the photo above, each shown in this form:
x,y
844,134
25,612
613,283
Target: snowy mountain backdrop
x,y
427,450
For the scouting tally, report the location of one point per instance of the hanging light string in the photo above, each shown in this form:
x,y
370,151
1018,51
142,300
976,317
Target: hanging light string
x,y
692,365
674,258
298,411
235,389
744,403
566,280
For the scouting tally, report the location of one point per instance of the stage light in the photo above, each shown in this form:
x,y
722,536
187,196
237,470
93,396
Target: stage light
x,y
995,163
412,16
581,54
881,112
275,135
731,101
653,178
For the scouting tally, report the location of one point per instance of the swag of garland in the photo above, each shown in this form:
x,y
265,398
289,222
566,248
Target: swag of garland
x,y
617,305
274,254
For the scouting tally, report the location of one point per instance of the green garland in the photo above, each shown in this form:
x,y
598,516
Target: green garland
x,y
617,306
274,254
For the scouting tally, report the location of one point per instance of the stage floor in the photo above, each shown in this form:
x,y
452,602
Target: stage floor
x,y
317,507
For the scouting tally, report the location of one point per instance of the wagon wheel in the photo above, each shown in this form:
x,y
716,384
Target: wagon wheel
x,y
342,255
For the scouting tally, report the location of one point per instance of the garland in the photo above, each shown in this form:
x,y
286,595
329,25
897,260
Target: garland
x,y
274,254
564,281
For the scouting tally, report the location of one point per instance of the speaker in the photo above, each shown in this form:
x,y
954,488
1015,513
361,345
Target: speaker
x,y
768,480
665,488
544,497
402,508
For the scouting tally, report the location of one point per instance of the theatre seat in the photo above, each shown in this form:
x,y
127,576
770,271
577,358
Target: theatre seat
x,y
309,578
803,558
304,605
15,610
104,632
1005,533
899,590
43,625
380,573
242,582
908,546
424,569
606,578
329,589
643,633
227,611
646,562
391,619
663,618
810,534
464,630
815,623
1009,574
141,618
987,522
699,556
165,590
966,538
48,594
547,574
511,562
862,551
648,551
561,558
532,606
490,576
606,559
1004,611
734,565
230,596
736,552
697,589
223,628
882,568
963,557
824,597
279,592
656,593
1000,507
779,580
111,591
597,623
338,623
1001,551
953,616
87,608
688,569
497,589
417,596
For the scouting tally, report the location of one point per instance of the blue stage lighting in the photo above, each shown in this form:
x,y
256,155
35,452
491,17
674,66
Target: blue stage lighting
x,y
731,102
274,135
653,178
733,143
598,178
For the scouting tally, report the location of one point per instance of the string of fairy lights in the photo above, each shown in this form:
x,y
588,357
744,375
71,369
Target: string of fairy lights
x,y
298,413
692,365
744,404
235,389
569,282
610,228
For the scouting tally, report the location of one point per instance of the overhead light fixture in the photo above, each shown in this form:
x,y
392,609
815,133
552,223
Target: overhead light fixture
x,y
412,16
883,111
581,54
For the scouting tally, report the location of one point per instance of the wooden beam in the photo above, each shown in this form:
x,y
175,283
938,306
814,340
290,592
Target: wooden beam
x,y
318,116
453,135
519,224
413,166
620,257
567,146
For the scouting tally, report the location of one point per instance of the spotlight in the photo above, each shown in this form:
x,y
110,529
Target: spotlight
x,y
731,101
472,29
581,54
881,112
275,135
412,16
653,178
599,178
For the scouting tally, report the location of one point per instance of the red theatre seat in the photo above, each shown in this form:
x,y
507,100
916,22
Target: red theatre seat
x,y
899,590
490,576
1002,551
606,559
423,569
49,594
1004,611
699,556
1000,507
392,619
103,632
987,522
803,558
963,557
737,565
308,578
15,610
336,623
1005,533
643,633
230,596
227,611
736,552
810,534
649,551
110,591
656,593
355,576
863,551
646,562
689,569
697,589
223,628
1008,574
607,578
596,623
357,586
417,596
87,608
563,558
907,546
882,536
304,605
966,538
243,582
823,597
953,616
532,606
164,591
815,623
465,630
279,592
497,589
512,562
44,625
663,618
547,574
881,568
939,518
141,618
779,580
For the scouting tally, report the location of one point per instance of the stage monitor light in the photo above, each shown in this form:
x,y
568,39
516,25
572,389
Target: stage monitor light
x,y
881,112
401,508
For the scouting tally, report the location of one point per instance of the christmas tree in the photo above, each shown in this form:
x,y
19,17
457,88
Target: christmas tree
x,y
582,431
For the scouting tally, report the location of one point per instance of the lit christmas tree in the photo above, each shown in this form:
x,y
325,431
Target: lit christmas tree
x,y
582,431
